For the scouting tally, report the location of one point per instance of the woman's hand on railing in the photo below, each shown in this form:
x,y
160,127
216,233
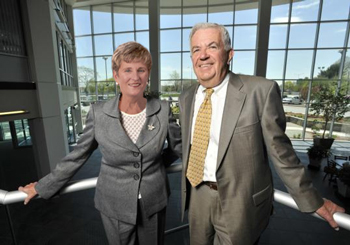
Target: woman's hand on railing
x,y
29,190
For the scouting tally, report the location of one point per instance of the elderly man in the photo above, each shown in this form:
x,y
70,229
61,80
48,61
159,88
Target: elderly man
x,y
230,125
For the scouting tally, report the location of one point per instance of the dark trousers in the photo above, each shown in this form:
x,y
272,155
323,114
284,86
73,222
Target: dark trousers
x,y
146,231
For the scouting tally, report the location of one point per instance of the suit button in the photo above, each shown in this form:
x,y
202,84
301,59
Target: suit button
x,y
136,165
136,154
136,177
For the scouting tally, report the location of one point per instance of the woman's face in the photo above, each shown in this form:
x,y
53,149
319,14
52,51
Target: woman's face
x,y
132,78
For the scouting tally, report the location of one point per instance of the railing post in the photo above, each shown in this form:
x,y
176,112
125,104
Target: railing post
x,y
9,219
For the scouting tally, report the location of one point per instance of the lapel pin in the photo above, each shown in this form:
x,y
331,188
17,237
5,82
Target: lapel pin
x,y
150,127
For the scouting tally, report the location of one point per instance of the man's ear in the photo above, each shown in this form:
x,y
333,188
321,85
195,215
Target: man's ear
x,y
230,56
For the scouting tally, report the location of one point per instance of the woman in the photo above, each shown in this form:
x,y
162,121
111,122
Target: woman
x,y
130,131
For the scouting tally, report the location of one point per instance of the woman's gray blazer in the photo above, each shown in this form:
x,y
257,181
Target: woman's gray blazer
x,y
127,169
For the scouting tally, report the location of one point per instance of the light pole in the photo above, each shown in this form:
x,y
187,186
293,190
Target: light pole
x,y
105,58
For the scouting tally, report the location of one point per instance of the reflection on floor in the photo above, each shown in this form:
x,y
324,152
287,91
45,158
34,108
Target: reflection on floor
x,y
72,218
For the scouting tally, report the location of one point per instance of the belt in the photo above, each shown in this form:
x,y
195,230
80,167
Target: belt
x,y
212,185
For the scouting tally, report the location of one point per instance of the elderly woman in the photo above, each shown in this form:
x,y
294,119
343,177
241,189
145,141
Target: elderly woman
x,y
130,131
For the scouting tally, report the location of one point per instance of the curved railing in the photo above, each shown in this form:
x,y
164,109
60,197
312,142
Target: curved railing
x,y
8,197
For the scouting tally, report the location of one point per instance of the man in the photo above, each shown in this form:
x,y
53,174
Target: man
x,y
226,181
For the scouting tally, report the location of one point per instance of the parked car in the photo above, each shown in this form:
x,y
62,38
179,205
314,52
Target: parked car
x,y
292,100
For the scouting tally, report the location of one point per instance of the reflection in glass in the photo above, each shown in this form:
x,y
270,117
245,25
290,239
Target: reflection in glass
x,y
143,38
275,65
298,64
302,35
327,64
306,10
278,36
170,87
103,45
335,9
170,17
243,62
102,18
222,15
122,38
170,64
332,34
83,46
82,22
123,17
245,37
186,39
170,40
246,13
279,12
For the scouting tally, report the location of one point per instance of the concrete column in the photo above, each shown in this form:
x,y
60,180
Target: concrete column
x,y
48,130
154,42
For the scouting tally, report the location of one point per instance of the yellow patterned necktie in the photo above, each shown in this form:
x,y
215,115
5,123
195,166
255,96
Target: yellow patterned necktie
x,y
200,141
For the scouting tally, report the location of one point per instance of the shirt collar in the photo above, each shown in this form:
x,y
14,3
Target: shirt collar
x,y
218,88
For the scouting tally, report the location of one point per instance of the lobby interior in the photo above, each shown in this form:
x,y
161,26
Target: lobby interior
x,y
54,61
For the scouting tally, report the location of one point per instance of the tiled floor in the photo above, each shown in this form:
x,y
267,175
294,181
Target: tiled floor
x,y
72,218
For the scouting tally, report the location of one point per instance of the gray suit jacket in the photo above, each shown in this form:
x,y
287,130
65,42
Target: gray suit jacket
x,y
126,168
252,129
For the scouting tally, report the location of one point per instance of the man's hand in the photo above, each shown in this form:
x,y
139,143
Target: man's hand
x,y
327,210
29,190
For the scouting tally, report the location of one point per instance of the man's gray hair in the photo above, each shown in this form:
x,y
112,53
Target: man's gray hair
x,y
224,33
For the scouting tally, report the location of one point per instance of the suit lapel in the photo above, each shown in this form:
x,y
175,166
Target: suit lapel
x,y
114,127
233,105
187,112
152,124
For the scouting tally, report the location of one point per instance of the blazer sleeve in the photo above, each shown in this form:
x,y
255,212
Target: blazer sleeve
x,y
174,149
283,156
70,164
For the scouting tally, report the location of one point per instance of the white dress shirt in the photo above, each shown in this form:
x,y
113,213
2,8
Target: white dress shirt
x,y
217,101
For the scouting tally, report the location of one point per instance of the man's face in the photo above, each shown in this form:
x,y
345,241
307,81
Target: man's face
x,y
209,57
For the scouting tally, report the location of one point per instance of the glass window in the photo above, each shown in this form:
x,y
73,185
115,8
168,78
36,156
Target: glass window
x,y
243,62
103,45
141,18
170,40
332,35
275,64
123,17
143,38
104,68
306,10
222,15
245,37
246,13
5,133
298,64
278,36
82,21
187,67
86,77
186,39
302,35
122,38
102,18
170,18
327,64
335,9
83,46
191,16
169,63
279,12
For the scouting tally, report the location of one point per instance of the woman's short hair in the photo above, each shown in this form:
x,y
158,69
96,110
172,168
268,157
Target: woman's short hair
x,y
224,33
131,52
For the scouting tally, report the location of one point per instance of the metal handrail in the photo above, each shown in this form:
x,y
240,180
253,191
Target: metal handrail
x,y
8,197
